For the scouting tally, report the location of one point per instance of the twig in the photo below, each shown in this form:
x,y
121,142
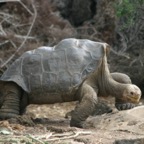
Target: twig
x,y
1,60
133,62
120,54
25,39
61,135
25,7
6,15
2,1
5,35
33,138
5,42
46,136
18,36
69,137
141,63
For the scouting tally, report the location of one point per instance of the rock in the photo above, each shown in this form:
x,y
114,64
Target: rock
x,y
130,141
128,120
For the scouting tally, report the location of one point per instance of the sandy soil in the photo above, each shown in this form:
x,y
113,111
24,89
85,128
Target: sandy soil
x,y
51,127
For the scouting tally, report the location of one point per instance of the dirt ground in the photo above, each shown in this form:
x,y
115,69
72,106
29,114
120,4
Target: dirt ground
x,y
51,127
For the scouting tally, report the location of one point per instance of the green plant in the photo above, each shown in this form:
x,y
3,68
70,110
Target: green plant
x,y
126,11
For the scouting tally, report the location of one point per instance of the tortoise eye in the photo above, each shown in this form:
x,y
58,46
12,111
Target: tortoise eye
x,y
131,93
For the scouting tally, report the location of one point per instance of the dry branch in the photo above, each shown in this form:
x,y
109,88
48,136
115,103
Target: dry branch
x,y
57,137
71,136
120,54
2,1
4,33
35,139
26,7
25,39
3,43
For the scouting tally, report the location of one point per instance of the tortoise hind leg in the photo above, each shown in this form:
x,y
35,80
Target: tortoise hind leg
x,y
23,103
11,101
119,103
86,106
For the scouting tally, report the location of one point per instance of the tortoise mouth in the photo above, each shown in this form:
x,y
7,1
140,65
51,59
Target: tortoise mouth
x,y
133,99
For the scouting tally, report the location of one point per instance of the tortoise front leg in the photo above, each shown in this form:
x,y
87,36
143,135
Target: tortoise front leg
x,y
86,106
119,103
122,105
11,101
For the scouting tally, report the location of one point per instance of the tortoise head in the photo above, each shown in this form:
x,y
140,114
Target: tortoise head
x,y
131,93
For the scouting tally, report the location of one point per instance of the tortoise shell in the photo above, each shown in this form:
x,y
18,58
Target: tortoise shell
x,y
55,69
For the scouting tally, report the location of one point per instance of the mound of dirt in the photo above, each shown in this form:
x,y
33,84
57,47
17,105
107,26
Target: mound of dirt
x,y
46,124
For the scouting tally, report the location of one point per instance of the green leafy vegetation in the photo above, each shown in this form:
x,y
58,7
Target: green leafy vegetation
x,y
127,11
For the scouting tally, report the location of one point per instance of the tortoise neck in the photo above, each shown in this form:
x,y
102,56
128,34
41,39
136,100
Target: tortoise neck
x,y
106,84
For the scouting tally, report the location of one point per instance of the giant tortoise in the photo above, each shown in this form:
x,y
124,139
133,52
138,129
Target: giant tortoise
x,y
74,69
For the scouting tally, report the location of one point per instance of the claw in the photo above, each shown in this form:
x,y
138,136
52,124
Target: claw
x,y
74,123
124,106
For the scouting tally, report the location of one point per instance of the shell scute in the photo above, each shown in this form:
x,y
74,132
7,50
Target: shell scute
x,y
55,69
